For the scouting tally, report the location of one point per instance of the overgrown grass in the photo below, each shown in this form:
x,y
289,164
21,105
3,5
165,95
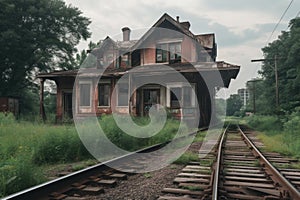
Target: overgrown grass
x,y
282,142
27,148
265,123
279,134
130,143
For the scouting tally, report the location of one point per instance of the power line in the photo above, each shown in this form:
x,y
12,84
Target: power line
x,y
279,21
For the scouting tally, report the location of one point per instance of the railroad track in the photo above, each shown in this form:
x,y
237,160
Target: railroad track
x,y
233,169
236,169
91,181
94,180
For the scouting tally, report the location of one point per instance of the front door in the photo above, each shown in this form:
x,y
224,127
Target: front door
x,y
68,105
150,98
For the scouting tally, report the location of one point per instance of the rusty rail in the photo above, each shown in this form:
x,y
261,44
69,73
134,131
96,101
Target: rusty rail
x,y
287,189
217,170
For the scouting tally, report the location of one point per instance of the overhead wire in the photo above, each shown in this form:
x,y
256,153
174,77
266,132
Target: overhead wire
x,y
280,21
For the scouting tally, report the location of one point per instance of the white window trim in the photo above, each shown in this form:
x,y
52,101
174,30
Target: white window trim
x,y
91,92
180,85
166,41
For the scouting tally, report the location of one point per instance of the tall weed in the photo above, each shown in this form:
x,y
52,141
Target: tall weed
x,y
264,123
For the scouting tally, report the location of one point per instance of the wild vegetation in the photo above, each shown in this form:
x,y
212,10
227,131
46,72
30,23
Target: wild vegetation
x,y
38,36
286,50
279,133
27,148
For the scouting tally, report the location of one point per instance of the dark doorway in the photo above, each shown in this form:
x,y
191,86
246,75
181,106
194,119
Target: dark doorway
x,y
67,104
150,98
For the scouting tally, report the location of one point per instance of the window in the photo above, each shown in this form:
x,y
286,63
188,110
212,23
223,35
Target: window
x,y
175,52
176,96
85,94
181,95
187,96
103,94
123,94
168,52
161,53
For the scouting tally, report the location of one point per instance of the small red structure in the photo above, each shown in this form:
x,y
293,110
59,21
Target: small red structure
x,y
9,105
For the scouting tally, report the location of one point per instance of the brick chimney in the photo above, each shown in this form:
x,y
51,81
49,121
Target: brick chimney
x,y
126,33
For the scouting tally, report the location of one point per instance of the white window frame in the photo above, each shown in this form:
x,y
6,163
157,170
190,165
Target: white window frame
x,y
168,43
181,85
85,109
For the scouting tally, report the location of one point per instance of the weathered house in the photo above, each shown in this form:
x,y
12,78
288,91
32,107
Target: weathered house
x,y
168,43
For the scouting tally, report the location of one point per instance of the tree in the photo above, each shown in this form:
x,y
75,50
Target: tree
x,y
234,104
287,51
83,55
37,36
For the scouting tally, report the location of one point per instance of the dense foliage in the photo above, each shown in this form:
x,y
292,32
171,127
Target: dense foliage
x,y
37,36
287,50
234,105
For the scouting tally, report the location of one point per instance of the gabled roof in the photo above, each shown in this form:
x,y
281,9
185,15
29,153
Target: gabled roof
x,y
181,27
206,40
120,45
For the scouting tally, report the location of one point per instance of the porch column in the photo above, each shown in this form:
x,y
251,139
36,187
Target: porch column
x,y
42,108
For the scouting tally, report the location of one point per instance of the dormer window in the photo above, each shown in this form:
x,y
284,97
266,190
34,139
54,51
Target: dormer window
x,y
168,52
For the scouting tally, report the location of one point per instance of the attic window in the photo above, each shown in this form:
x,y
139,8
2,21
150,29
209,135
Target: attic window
x,y
169,52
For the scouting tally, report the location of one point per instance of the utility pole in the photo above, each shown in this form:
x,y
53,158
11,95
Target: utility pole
x,y
276,76
254,93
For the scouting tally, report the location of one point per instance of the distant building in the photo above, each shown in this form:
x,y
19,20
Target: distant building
x,y
244,95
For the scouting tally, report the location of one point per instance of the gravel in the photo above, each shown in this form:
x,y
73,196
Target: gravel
x,y
144,186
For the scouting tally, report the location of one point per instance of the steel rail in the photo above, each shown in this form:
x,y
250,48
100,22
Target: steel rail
x,y
43,190
277,177
217,170
60,184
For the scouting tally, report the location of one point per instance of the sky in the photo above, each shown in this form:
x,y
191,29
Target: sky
x,y
242,27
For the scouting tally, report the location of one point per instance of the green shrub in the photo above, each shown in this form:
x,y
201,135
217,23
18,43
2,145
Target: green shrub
x,y
26,146
60,146
263,123
18,173
7,118
130,143
292,124
282,136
